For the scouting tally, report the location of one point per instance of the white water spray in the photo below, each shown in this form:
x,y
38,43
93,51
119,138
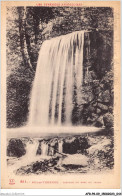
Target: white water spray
x,y
44,148
31,149
59,69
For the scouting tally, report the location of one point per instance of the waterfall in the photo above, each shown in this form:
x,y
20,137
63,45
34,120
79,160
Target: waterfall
x,y
60,146
59,71
44,148
31,149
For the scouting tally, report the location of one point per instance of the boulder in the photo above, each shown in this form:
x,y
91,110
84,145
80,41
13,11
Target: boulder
x,y
90,120
94,104
105,96
94,116
99,122
98,110
102,107
110,109
77,159
91,109
16,148
78,144
97,90
101,146
108,120
70,139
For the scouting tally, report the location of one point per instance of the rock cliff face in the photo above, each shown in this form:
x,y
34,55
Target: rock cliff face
x,y
85,153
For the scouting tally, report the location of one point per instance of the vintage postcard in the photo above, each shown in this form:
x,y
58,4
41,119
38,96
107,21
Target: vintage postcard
x,y
60,94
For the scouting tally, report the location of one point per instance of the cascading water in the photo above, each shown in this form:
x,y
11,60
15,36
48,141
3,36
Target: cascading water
x,y
60,146
59,71
31,149
44,148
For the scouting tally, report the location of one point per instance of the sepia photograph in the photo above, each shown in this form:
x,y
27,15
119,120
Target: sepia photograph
x,y
60,93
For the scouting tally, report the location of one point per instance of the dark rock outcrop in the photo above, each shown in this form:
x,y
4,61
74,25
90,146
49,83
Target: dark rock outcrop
x,y
108,120
77,145
99,122
16,148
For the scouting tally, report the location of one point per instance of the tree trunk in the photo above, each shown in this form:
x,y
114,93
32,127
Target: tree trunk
x,y
26,40
36,20
23,38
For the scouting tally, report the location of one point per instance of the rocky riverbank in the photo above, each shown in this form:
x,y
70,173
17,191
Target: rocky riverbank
x,y
72,154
